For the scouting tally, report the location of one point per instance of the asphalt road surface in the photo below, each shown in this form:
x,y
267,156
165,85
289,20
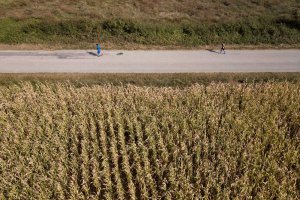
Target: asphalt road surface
x,y
177,61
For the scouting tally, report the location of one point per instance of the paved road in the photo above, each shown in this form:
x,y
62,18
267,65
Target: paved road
x,y
82,61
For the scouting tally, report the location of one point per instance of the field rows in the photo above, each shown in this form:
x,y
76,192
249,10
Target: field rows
x,y
220,141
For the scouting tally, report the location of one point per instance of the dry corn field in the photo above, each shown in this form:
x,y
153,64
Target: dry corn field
x,y
221,141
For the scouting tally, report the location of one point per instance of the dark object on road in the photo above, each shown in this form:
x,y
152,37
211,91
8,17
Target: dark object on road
x,y
213,51
119,54
222,49
92,53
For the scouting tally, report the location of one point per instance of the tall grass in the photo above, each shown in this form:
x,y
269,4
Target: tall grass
x,y
220,141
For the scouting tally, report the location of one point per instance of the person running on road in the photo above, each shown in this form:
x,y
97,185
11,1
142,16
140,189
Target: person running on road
x,y
98,49
222,49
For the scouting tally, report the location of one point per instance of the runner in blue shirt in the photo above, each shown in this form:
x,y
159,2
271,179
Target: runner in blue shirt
x,y
98,49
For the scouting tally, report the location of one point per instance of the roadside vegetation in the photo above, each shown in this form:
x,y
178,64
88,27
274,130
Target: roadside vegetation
x,y
150,80
123,24
216,141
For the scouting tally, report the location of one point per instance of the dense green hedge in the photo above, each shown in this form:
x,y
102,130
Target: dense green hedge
x,y
150,33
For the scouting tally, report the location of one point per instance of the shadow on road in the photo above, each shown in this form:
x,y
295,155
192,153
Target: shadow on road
x,y
213,51
92,53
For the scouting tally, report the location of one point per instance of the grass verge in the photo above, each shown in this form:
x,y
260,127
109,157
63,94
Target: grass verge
x,y
158,80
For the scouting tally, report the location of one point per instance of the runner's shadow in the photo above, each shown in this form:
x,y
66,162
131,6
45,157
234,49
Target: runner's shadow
x,y
213,51
92,53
